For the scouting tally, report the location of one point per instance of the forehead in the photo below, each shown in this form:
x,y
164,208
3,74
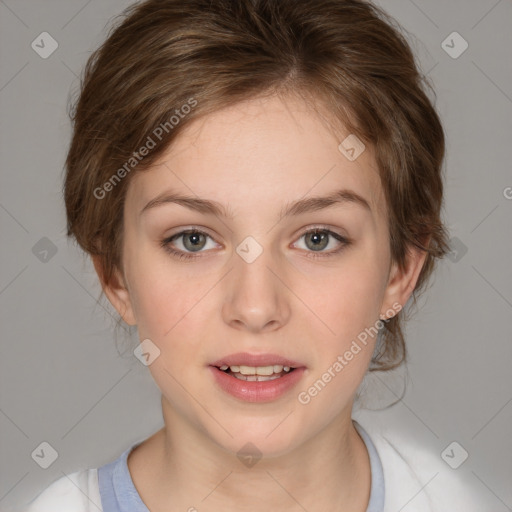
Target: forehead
x,y
274,149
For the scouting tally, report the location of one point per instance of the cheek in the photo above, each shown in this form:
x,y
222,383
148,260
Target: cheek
x,y
349,297
348,302
166,301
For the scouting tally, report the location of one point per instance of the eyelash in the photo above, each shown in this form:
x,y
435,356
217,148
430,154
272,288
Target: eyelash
x,y
311,254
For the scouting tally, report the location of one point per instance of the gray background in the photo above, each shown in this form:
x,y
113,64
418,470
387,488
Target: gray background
x,y
67,380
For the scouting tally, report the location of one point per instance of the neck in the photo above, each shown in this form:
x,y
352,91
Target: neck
x,y
181,467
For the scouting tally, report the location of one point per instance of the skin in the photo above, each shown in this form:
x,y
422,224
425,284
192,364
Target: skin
x,y
255,158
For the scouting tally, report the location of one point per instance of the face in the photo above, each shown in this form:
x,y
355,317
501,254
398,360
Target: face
x,y
261,268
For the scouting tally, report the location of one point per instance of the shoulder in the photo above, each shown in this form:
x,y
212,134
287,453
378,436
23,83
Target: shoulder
x,y
417,478
76,492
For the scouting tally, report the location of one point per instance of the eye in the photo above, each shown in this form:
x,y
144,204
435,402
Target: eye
x,y
188,241
318,238
184,244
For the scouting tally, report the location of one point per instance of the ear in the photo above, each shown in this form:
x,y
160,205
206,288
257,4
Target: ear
x,y
402,282
116,292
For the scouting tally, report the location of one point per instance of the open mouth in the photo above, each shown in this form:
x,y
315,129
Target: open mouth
x,y
263,382
257,373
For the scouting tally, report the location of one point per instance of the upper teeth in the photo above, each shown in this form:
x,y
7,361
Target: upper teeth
x,y
256,370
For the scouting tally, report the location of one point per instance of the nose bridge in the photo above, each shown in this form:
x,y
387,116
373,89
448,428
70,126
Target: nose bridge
x,y
256,299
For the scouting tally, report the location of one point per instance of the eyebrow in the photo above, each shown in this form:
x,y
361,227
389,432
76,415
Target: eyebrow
x,y
309,204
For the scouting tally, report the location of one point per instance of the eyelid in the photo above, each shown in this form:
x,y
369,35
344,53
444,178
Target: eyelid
x,y
321,227
191,229
299,232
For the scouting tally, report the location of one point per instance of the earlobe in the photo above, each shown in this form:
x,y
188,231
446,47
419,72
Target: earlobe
x,y
402,282
116,292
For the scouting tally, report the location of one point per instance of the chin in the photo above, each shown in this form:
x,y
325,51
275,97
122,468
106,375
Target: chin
x,y
262,440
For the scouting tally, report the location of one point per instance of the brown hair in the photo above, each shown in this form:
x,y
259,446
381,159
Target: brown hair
x,y
346,54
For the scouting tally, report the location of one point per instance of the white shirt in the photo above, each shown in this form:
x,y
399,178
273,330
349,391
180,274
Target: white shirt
x,y
405,478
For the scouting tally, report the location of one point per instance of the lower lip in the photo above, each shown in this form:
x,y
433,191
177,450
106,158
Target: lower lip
x,y
257,391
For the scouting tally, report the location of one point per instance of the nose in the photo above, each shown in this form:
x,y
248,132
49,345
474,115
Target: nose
x,y
257,299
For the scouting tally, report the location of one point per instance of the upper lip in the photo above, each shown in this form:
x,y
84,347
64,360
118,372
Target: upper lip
x,y
246,359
